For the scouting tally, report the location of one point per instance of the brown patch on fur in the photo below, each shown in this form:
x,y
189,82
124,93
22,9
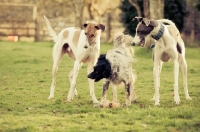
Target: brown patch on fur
x,y
65,34
76,37
91,32
165,57
179,48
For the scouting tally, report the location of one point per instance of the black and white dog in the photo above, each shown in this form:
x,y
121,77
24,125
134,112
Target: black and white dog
x,y
116,67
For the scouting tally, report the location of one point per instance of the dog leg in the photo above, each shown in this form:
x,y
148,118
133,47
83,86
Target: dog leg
x,y
176,71
73,82
128,93
105,89
56,62
91,83
71,76
114,89
184,71
133,94
156,83
159,74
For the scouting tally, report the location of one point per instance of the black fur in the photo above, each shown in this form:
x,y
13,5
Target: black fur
x,y
101,70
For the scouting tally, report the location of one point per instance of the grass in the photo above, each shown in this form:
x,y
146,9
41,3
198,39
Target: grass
x,y
25,78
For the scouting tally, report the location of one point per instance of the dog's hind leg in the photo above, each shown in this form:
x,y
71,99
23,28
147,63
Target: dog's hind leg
x,y
114,89
57,58
133,94
183,64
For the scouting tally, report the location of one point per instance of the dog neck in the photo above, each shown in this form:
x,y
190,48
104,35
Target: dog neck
x,y
160,32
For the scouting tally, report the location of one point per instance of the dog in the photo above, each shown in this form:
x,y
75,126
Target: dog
x,y
116,67
168,45
82,46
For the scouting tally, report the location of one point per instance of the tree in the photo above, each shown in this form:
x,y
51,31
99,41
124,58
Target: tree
x,y
78,9
156,9
128,13
174,10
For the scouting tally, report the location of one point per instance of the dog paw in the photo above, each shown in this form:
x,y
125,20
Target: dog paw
x,y
177,99
97,105
177,102
153,99
188,98
157,103
95,101
50,97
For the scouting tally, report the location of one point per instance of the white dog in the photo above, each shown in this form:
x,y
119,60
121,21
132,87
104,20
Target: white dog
x,y
81,46
168,45
116,67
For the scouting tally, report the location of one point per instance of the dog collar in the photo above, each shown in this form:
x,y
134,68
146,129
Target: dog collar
x,y
159,34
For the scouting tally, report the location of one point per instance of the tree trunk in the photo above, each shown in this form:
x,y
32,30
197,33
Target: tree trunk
x,y
146,9
134,3
78,9
156,9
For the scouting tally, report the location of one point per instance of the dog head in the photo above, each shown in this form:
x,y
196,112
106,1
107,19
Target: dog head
x,y
144,28
101,70
92,31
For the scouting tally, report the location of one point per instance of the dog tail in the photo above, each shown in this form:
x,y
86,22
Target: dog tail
x,y
121,39
166,21
51,31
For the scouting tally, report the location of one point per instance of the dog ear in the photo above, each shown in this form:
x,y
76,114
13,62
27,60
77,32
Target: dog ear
x,y
146,21
100,26
138,18
153,23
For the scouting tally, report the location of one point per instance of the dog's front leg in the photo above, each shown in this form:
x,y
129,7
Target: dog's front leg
x,y
156,83
105,89
91,83
71,76
73,82
128,93
176,71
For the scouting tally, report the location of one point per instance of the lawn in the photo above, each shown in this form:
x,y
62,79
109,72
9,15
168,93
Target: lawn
x,y
25,78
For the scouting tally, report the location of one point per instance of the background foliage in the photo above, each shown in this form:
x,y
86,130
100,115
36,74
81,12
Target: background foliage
x,y
174,10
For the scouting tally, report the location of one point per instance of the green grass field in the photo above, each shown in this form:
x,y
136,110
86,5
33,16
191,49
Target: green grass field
x,y
25,78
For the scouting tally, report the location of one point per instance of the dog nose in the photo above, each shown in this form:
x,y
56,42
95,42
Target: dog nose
x,y
85,46
133,44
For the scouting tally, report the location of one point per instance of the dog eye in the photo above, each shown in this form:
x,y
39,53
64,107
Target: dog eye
x,y
85,33
92,35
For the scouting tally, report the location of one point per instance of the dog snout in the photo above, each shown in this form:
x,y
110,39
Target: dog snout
x,y
85,46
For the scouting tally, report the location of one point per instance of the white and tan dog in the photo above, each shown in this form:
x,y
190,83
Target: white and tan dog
x,y
168,45
83,46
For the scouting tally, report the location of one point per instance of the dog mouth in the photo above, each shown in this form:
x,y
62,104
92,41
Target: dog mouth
x,y
142,42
